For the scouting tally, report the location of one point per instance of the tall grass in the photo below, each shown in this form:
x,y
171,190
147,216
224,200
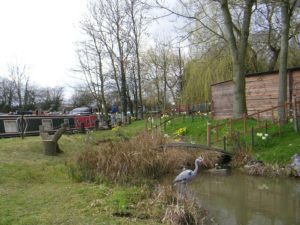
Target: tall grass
x,y
142,157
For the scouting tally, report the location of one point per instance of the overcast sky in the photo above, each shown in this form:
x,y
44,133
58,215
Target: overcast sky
x,y
41,34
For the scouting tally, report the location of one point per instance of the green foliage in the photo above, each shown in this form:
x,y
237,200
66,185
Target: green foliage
x,y
215,66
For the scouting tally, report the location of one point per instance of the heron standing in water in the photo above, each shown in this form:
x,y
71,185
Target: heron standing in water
x,y
187,175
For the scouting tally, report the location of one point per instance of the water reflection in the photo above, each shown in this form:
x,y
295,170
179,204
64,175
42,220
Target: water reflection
x,y
238,199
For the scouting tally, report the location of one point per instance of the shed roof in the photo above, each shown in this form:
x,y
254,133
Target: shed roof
x,y
258,74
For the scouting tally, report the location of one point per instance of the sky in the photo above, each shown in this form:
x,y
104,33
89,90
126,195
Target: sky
x,y
41,35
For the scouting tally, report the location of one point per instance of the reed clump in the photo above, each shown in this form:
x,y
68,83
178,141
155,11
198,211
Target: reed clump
x,y
165,206
241,158
183,211
142,157
266,170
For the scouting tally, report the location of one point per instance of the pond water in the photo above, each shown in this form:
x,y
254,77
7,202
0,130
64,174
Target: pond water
x,y
238,199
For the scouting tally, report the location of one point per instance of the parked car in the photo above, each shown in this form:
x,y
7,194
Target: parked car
x,y
82,111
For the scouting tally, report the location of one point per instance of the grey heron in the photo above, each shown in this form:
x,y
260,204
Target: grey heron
x,y
186,176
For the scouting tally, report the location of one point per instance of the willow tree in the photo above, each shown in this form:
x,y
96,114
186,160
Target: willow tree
x,y
199,74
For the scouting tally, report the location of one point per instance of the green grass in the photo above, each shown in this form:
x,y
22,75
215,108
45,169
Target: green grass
x,y
37,189
277,149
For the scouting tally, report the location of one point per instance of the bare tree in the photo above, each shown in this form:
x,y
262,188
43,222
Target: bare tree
x,y
114,32
6,95
25,94
49,98
163,67
136,12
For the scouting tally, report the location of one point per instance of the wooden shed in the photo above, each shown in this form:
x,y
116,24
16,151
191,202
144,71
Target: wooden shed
x,y
261,93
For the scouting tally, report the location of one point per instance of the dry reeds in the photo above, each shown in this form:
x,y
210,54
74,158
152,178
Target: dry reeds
x,y
134,159
241,158
266,170
187,211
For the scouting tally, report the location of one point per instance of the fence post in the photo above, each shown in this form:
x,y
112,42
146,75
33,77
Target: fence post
x,y
279,126
252,138
296,129
287,110
258,119
273,117
231,128
245,124
224,143
208,134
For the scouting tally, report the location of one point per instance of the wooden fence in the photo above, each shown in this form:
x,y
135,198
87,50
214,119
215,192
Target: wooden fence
x,y
252,123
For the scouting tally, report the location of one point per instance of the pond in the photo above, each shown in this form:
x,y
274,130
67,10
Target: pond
x,y
239,199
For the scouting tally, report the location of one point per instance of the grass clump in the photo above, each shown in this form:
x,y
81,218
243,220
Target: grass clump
x,y
142,157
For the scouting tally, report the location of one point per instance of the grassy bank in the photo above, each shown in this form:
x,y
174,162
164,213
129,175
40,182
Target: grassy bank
x,y
40,189
275,149
37,189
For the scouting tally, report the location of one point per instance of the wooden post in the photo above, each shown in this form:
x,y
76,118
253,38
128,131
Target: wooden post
x,y
208,134
279,126
273,117
258,119
245,124
224,143
287,110
231,128
295,121
252,137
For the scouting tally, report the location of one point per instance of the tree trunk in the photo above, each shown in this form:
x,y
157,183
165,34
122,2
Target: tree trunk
x,y
238,54
282,90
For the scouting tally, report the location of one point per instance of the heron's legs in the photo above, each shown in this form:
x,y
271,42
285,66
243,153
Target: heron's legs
x,y
182,189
